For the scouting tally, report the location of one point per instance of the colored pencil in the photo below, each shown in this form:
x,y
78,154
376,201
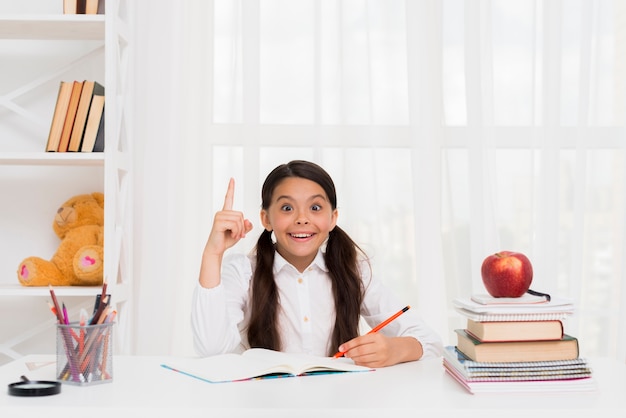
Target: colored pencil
x,y
379,326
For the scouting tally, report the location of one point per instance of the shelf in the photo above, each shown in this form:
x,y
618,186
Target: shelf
x,y
52,158
55,47
117,292
52,27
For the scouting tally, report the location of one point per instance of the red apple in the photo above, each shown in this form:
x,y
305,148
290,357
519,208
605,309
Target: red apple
x,y
507,274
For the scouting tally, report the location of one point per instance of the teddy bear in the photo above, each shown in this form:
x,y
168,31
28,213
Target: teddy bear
x,y
78,260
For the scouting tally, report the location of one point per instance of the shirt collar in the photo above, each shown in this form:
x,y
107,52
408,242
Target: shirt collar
x,y
318,261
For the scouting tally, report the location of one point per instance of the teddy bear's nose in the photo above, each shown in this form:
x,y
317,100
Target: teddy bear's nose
x,y
59,210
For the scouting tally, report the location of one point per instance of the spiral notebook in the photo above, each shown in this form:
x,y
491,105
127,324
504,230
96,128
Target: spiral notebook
x,y
533,376
479,308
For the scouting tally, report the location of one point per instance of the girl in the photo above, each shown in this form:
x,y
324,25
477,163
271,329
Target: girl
x,y
304,287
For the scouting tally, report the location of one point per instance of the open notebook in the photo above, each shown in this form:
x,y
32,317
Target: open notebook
x,y
258,363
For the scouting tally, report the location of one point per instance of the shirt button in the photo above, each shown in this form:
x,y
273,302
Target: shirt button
x,y
300,281
306,319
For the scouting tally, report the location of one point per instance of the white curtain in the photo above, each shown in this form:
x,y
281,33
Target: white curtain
x,y
453,129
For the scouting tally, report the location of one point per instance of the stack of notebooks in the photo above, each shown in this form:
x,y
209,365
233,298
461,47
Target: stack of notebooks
x,y
516,345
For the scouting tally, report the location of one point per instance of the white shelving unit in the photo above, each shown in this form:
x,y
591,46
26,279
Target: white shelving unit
x,y
45,49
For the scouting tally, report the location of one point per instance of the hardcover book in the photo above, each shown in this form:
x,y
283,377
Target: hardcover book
x,y
90,88
70,117
95,121
516,351
488,331
58,117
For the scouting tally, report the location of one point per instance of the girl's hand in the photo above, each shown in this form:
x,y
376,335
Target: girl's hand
x,y
229,226
377,350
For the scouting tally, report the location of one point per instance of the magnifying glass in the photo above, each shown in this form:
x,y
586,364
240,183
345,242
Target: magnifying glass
x,y
34,387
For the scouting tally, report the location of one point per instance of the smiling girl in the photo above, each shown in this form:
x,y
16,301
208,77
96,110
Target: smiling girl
x,y
305,286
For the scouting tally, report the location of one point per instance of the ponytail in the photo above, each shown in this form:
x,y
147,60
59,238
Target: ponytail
x,y
342,262
262,329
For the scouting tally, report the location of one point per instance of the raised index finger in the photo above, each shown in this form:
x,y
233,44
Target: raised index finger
x,y
230,194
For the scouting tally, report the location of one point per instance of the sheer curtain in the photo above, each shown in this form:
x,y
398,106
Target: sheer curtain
x,y
453,129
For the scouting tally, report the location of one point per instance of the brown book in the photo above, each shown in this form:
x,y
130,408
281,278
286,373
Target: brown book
x,y
515,330
58,117
89,89
96,114
77,88
517,351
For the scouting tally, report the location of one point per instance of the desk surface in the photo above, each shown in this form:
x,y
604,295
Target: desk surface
x,y
141,384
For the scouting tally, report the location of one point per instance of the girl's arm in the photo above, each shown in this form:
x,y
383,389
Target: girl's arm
x,y
379,350
229,227
216,312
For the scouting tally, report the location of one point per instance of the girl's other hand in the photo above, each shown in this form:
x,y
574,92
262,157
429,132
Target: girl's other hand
x,y
377,350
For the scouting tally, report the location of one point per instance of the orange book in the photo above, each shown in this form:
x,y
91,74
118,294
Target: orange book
x,y
77,88
58,118
515,330
91,7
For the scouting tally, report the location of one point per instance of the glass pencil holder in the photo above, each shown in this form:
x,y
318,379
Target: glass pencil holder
x,y
84,353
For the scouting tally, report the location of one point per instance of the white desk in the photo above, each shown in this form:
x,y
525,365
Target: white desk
x,y
421,388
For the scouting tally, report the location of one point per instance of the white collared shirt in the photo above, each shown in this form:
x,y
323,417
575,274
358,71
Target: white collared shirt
x,y
307,309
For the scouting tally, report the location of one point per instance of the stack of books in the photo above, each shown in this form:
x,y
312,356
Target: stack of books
x,y
516,344
78,118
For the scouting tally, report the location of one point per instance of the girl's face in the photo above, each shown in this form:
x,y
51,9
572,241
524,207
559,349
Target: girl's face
x,y
301,217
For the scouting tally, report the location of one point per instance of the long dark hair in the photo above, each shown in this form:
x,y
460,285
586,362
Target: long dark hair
x,y
341,258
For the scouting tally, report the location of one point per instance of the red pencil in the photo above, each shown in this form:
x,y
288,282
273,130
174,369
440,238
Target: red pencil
x,y
57,308
379,326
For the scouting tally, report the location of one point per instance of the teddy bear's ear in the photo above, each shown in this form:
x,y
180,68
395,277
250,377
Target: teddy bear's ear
x,y
99,198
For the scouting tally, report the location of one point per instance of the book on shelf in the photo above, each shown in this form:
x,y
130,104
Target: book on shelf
x,y
98,146
90,88
557,308
72,107
94,126
91,6
70,7
83,7
565,348
488,331
58,117
548,376
259,363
